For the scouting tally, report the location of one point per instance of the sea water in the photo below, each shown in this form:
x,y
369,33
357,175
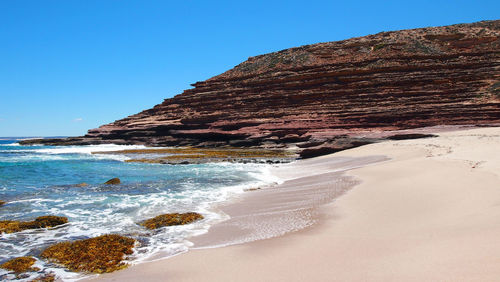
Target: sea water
x,y
42,180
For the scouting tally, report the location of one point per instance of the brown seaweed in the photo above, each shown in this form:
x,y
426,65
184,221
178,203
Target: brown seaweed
x,y
190,154
98,255
170,219
11,226
20,264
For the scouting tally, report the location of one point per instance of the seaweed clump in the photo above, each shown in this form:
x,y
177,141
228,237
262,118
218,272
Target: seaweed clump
x,y
170,219
11,226
201,155
97,255
20,264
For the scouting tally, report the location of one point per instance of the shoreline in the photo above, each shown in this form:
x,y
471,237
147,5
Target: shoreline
x,y
290,206
400,223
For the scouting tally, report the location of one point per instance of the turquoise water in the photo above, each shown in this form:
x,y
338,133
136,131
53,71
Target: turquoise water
x,y
40,180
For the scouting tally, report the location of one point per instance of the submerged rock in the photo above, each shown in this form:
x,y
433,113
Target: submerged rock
x,y
81,184
170,219
252,189
98,255
113,181
11,226
20,264
49,221
2,203
49,277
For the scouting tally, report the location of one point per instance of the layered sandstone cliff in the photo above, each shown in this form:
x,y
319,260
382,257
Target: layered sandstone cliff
x,y
388,81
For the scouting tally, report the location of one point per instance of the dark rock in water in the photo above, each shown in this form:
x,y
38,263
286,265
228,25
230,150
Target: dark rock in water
x,y
113,181
388,81
98,255
336,145
310,144
170,219
2,203
50,221
20,264
318,151
410,136
11,226
48,277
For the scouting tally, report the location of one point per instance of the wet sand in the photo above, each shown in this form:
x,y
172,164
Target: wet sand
x,y
290,206
430,213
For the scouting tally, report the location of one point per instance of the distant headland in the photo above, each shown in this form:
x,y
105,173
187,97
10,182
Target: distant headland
x,y
329,96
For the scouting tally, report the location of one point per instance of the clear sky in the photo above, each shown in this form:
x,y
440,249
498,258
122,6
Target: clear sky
x,y
67,66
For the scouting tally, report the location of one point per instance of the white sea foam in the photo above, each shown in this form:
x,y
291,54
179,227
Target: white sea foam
x,y
69,152
35,200
167,243
87,149
34,158
11,144
92,215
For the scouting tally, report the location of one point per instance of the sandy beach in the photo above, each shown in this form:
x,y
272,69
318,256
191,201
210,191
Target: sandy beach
x,y
419,210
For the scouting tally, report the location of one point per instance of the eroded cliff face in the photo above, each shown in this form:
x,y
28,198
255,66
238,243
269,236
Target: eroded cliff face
x,y
388,81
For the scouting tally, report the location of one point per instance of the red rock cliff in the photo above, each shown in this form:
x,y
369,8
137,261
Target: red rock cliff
x,y
387,81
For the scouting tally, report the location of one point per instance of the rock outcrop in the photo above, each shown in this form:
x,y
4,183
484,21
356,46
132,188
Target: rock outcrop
x,y
315,93
113,181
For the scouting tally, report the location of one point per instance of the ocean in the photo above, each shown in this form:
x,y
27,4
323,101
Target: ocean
x,y
42,180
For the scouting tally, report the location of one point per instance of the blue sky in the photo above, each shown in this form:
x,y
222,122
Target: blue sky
x,y
68,66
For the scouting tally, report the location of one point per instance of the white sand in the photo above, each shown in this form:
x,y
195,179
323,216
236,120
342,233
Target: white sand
x,y
431,213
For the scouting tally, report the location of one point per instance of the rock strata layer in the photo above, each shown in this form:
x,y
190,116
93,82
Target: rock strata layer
x,y
322,92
